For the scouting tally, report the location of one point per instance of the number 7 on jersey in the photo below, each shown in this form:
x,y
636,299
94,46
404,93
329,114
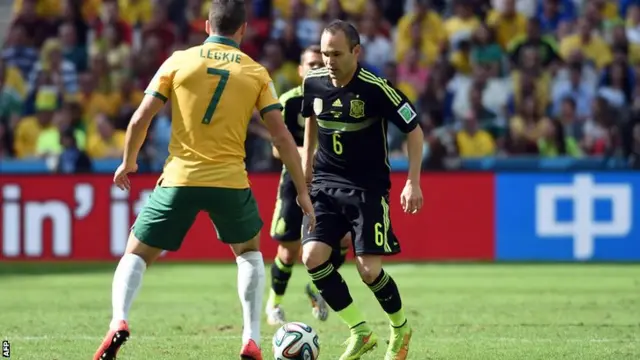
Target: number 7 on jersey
x,y
217,94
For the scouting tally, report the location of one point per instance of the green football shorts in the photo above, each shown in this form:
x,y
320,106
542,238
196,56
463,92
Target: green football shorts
x,y
170,212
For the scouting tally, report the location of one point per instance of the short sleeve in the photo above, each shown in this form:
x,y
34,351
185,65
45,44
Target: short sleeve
x,y
288,107
162,82
268,97
307,99
395,106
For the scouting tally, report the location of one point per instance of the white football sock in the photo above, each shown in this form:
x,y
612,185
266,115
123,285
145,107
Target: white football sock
x,y
251,282
126,283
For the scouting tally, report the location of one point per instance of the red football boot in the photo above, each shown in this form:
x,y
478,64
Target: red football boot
x,y
112,342
250,351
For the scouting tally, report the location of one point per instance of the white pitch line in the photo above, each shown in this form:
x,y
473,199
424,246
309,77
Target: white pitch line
x,y
233,337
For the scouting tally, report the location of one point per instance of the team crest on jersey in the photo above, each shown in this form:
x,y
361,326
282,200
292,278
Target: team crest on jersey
x,y
356,109
317,106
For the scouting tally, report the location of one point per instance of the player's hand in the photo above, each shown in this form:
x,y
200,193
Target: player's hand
x,y
121,177
304,201
411,198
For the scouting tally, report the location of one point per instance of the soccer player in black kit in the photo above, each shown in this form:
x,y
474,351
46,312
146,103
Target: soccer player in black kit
x,y
286,225
347,110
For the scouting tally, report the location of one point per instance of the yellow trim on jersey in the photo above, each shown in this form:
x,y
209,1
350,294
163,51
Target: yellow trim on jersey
x,y
387,223
386,145
342,126
317,73
391,93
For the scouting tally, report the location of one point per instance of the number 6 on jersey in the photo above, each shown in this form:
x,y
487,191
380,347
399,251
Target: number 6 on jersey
x,y
215,99
337,145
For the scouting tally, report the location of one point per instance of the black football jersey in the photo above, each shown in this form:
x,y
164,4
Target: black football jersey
x,y
291,102
352,128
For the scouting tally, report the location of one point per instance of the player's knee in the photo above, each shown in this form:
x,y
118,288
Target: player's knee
x,y
315,253
247,246
369,267
148,253
288,252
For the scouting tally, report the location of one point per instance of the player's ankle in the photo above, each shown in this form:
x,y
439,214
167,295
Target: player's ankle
x,y
403,325
361,329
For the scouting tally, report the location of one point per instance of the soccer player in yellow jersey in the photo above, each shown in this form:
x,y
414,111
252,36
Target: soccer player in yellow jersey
x,y
213,89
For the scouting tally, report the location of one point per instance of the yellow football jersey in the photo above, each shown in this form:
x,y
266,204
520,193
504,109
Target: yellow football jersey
x,y
214,89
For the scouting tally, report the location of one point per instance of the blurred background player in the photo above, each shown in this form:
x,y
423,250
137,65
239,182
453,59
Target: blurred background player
x,y
348,109
287,216
205,170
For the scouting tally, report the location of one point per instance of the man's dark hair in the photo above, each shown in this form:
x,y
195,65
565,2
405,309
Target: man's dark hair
x,y
350,32
312,49
227,16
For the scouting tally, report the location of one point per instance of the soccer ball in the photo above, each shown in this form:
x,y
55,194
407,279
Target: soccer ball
x,y
296,341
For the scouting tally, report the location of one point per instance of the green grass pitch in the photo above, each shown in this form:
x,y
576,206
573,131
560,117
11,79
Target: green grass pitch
x,y
459,311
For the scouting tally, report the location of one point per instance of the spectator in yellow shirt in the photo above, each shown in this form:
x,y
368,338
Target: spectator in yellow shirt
x,y
508,24
283,8
135,12
44,8
93,102
284,73
29,128
125,100
591,46
12,80
531,79
472,141
429,52
351,7
106,142
430,26
49,142
462,24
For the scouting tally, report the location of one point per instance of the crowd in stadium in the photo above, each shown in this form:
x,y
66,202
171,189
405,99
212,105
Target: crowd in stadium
x,y
489,77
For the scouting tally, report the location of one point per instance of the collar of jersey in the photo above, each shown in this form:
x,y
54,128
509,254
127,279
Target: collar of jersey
x,y
217,39
355,76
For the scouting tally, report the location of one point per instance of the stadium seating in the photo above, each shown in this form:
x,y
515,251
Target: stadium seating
x,y
512,84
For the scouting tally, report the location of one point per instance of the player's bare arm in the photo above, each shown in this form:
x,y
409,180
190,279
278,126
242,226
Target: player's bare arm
x,y
288,151
134,138
411,197
276,153
310,146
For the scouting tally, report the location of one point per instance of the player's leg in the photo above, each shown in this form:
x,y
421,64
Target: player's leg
x,y
318,245
281,271
285,228
319,307
374,238
235,215
161,225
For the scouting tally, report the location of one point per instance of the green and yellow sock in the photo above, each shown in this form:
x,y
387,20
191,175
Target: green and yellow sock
x,y
280,275
353,317
335,292
386,291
